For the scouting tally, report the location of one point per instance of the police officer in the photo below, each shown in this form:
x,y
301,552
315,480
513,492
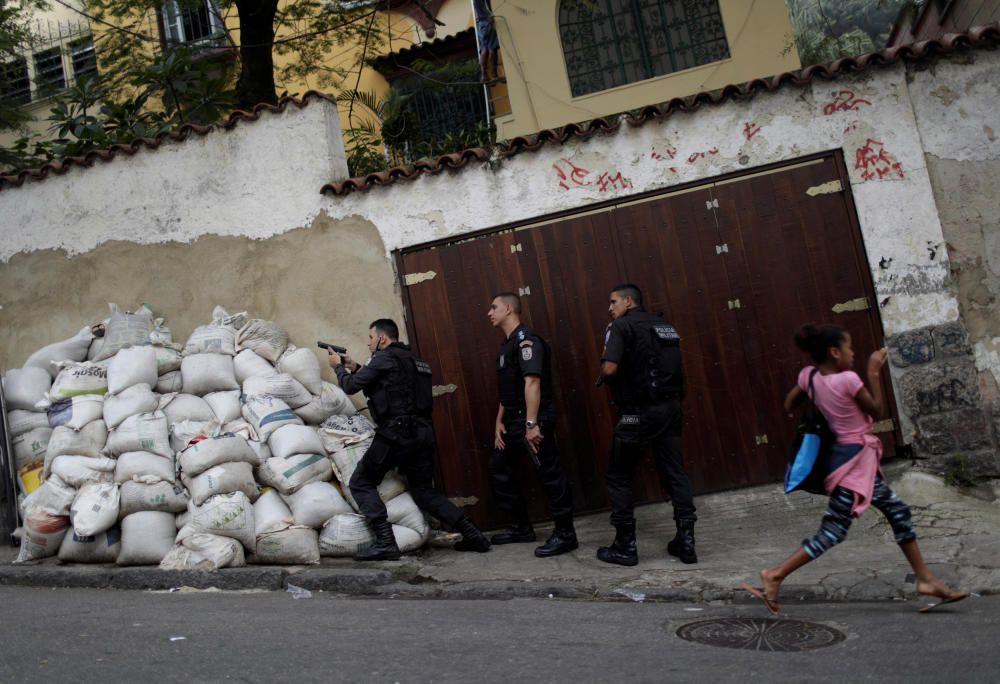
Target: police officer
x,y
642,363
398,387
526,425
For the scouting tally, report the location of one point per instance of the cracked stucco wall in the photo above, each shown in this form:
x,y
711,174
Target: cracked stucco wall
x,y
260,181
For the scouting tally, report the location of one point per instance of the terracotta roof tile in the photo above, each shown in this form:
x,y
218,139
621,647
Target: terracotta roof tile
x,y
979,37
175,135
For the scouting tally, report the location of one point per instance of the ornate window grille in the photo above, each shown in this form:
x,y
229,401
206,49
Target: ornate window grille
x,y
201,24
15,85
83,58
50,77
608,43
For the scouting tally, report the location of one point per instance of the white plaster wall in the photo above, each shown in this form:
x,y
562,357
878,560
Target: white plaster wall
x,y
259,179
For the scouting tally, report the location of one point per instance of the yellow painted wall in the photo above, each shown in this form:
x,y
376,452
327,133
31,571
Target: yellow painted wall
x,y
760,40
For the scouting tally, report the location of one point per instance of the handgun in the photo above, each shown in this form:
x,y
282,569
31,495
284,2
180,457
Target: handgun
x,y
331,347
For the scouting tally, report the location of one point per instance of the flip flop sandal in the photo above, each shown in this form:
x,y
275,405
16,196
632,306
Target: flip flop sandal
x,y
769,603
953,599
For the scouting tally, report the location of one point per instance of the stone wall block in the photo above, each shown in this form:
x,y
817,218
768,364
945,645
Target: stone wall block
x,y
977,464
951,340
911,348
965,430
939,388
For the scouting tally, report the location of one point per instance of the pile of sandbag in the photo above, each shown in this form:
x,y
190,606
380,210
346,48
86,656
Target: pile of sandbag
x,y
230,448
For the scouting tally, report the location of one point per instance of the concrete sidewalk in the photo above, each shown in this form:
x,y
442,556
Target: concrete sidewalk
x,y
738,533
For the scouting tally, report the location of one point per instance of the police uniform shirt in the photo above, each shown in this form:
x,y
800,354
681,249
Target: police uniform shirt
x,y
619,348
524,353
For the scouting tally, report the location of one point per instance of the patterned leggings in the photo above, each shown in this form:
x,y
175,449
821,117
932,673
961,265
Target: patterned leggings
x,y
837,518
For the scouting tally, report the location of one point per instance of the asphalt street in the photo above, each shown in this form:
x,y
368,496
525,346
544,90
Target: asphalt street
x,y
84,635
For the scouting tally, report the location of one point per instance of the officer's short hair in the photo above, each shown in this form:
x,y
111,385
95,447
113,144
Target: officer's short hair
x,y
510,298
629,290
387,327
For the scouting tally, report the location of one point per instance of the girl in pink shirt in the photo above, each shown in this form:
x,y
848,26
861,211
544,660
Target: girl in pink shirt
x,y
855,479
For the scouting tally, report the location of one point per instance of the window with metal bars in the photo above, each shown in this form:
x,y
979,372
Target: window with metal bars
x,y
15,86
444,109
83,58
608,43
50,77
198,24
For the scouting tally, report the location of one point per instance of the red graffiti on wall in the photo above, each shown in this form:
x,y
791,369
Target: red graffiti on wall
x,y
701,155
853,126
844,101
668,153
607,182
750,129
576,174
876,163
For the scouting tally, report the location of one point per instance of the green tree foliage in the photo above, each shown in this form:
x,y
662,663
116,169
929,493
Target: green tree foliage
x,y
826,30
16,37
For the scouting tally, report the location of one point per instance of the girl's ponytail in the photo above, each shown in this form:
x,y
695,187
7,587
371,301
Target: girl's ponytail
x,y
816,340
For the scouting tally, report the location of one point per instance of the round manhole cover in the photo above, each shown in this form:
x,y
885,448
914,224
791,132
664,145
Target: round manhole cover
x,y
761,634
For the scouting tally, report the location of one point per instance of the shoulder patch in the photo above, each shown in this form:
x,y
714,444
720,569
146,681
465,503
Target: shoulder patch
x,y
520,335
423,368
666,332
526,353
526,343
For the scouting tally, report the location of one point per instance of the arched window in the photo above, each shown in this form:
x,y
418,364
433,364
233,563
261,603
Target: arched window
x,y
609,43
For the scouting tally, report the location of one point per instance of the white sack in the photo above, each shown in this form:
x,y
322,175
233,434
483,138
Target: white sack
x,y
125,329
222,479
171,381
347,533
404,512
53,497
72,349
211,339
181,407
95,509
290,473
239,427
89,441
25,387
161,333
141,432
331,401
79,378
302,364
78,471
168,358
207,453
100,548
281,386
162,496
227,515
247,364
132,366
346,460
263,337
21,421
143,466
296,545
134,400
315,503
271,514
76,412
188,432
147,536
204,552
31,446
294,439
341,431
267,414
204,373
225,405
41,535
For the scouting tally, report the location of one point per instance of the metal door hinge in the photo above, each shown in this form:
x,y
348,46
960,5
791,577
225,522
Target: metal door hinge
x,y
723,248
825,188
858,304
516,248
760,439
887,425
712,204
414,278
526,290
734,304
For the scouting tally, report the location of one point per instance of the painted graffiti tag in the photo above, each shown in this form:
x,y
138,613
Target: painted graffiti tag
x,y
750,129
576,174
668,153
701,155
844,101
607,182
875,163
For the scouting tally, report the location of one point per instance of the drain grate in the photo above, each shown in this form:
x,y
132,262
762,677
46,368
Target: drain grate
x,y
761,634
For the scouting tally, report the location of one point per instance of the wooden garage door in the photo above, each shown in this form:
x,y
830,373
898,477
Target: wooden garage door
x,y
736,265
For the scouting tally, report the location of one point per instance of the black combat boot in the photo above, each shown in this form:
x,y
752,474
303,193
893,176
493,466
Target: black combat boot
x,y
515,534
622,550
384,547
562,540
682,545
472,538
